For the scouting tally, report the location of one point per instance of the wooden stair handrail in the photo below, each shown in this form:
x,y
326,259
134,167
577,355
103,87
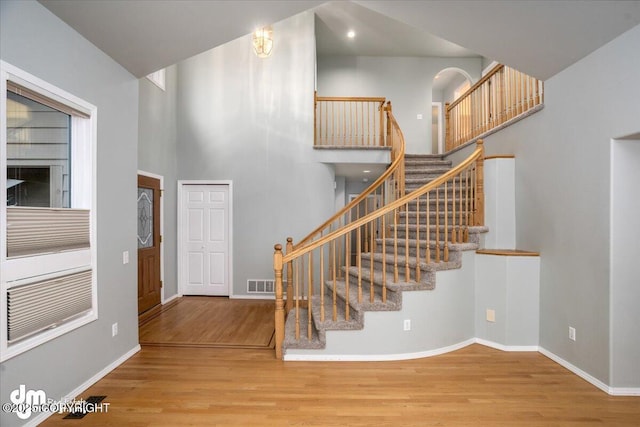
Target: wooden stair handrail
x,y
398,160
477,154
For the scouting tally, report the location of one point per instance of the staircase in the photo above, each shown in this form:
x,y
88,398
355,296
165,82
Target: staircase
x,y
388,273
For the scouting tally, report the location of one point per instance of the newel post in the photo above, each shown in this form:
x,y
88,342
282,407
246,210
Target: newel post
x,y
387,108
447,128
289,276
279,317
480,184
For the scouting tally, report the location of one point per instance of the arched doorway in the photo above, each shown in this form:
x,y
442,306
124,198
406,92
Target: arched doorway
x,y
447,86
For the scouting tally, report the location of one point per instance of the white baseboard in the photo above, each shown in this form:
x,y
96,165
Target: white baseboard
x,y
376,357
502,347
589,378
171,298
84,386
624,391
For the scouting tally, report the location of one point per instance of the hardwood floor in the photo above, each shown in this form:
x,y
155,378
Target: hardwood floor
x,y
211,322
475,386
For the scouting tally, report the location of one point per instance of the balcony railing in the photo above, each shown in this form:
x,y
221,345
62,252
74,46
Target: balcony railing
x,y
350,122
501,96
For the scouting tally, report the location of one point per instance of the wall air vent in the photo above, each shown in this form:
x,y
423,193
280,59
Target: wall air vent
x,y
260,286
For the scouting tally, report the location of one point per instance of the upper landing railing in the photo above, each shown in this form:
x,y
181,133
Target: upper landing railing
x,y
501,96
353,122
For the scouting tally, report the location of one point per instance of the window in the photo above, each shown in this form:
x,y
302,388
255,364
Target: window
x,y
158,78
47,227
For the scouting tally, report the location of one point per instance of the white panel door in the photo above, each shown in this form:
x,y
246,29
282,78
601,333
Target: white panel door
x,y
205,239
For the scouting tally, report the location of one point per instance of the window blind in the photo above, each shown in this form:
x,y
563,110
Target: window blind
x,y
33,231
37,306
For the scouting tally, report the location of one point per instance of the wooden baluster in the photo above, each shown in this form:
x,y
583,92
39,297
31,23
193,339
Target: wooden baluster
x,y
371,256
340,258
279,313
467,206
384,260
381,118
454,230
289,276
309,295
446,222
460,209
335,285
366,229
346,279
315,118
359,262
296,285
322,284
407,273
428,235
447,128
472,198
395,246
417,239
438,224
480,185
503,95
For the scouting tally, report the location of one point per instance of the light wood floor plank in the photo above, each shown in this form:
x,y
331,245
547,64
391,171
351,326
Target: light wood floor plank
x,y
475,386
212,322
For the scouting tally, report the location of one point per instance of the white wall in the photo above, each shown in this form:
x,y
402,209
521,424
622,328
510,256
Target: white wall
x,y
625,270
35,40
563,193
406,81
250,120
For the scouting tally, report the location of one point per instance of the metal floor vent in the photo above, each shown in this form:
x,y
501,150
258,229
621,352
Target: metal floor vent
x,y
81,411
260,286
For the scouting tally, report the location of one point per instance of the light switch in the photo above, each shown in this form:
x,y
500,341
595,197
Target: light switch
x,y
125,257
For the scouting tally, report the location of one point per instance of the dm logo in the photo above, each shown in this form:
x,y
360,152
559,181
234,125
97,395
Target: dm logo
x,y
25,400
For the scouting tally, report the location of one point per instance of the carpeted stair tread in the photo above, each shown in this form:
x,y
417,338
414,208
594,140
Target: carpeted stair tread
x,y
395,288
365,303
304,342
355,321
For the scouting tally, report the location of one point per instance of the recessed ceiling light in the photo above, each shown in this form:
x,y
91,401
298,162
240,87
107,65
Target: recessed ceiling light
x,y
351,34
366,171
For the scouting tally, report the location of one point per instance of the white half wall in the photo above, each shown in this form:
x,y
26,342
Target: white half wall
x,y
500,203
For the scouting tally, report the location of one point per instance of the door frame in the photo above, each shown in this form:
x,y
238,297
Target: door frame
x,y
161,179
181,231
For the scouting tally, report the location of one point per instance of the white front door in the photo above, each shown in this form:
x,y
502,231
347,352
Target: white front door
x,y
205,239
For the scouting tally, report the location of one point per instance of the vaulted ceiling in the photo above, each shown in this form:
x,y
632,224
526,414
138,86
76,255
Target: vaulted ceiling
x,y
540,38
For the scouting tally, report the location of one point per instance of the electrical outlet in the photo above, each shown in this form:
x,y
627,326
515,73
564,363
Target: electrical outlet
x,y
407,324
491,315
572,333
114,329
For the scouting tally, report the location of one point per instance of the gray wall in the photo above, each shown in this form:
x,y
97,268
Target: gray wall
x,y
563,186
250,120
157,148
406,81
33,39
